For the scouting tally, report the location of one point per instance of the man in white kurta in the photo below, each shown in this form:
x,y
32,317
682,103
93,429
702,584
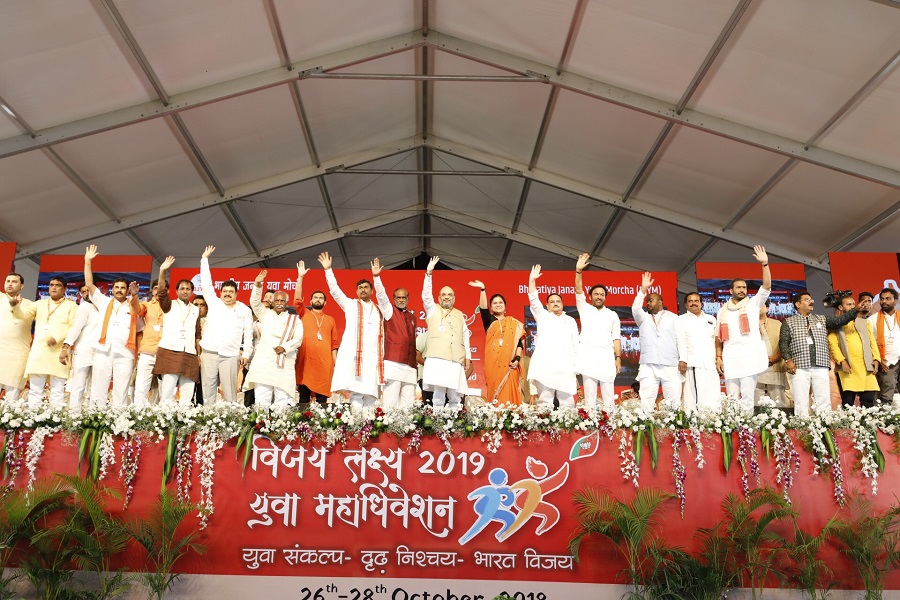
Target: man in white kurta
x,y
447,352
359,367
54,316
743,354
600,344
78,348
227,336
695,333
271,373
115,349
552,365
16,315
659,349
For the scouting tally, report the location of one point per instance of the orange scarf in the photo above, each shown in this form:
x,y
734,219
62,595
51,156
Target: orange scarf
x,y
360,327
132,332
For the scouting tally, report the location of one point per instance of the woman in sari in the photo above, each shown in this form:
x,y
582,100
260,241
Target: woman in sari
x,y
504,346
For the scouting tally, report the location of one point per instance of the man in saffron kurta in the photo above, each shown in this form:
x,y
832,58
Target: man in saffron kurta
x,y
318,352
271,372
114,352
504,341
148,340
16,315
54,316
855,352
359,368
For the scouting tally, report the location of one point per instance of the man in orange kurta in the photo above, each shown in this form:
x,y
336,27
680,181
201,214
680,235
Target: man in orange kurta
x,y
317,353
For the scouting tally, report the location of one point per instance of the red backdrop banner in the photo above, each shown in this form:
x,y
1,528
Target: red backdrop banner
x,y
7,257
864,271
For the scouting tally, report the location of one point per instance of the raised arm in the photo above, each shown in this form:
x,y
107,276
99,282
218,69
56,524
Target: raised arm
x,y
384,302
256,304
134,291
90,254
162,294
533,300
580,266
482,297
759,253
333,288
637,307
427,294
298,293
206,282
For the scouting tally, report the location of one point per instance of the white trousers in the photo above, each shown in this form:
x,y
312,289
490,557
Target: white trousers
x,y
143,380
817,379
743,388
607,393
172,382
265,394
545,397
111,366
36,390
702,389
445,396
357,401
219,371
79,380
12,393
651,377
398,394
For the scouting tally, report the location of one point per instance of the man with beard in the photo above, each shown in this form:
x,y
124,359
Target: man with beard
x,y
695,334
115,351
227,338
318,352
659,347
53,318
359,367
271,373
176,357
447,354
82,336
740,351
864,304
804,347
149,336
600,345
855,352
552,367
399,345
884,327
16,315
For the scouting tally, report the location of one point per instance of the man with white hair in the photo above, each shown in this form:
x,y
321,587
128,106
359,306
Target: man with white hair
x,y
447,353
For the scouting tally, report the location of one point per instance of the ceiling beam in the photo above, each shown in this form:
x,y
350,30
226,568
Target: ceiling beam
x,y
666,110
206,95
586,190
311,241
189,205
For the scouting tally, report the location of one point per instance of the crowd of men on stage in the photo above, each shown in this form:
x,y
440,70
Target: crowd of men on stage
x,y
118,349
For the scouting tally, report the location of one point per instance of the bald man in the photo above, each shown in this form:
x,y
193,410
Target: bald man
x,y
447,354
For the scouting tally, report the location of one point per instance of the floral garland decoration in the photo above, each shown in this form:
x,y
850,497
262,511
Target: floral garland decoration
x,y
129,464
33,452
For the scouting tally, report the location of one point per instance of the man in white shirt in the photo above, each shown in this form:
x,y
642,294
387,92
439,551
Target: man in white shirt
x,y
83,336
552,365
116,347
884,326
695,335
229,326
600,345
740,351
659,348
359,368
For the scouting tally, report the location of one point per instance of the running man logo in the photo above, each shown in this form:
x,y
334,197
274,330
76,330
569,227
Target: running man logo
x,y
585,446
513,505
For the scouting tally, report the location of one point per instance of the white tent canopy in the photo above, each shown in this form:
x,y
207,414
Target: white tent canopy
x,y
649,133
